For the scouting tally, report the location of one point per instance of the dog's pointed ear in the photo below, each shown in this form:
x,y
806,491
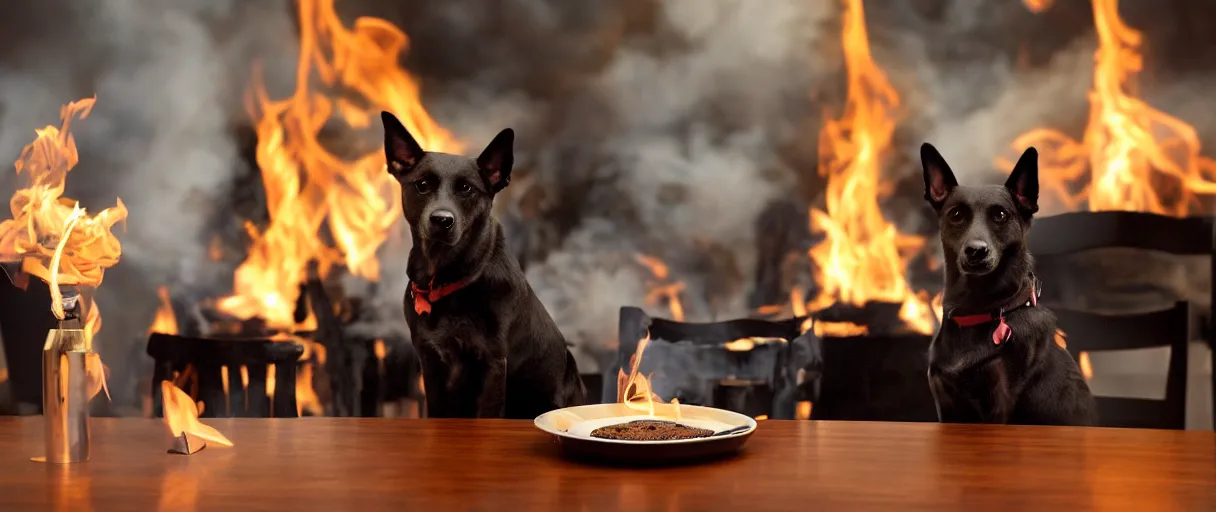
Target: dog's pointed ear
x,y
496,160
939,179
401,151
1023,183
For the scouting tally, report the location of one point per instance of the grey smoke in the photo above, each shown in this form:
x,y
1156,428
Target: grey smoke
x,y
645,126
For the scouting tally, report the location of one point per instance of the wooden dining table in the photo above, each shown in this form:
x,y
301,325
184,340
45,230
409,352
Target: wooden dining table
x,y
336,464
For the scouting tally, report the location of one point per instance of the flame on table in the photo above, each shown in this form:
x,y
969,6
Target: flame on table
x,y
1128,147
863,257
635,392
181,416
306,184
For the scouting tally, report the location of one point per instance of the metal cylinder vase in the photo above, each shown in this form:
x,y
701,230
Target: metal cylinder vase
x,y
65,396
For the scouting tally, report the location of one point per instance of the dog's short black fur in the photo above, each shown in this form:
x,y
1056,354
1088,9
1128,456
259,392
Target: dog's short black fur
x,y
488,348
1026,379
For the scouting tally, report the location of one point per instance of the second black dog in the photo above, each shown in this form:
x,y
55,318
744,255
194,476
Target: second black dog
x,y
995,360
488,347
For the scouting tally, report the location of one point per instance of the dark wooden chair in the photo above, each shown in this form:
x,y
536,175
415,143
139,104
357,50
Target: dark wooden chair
x,y
700,370
1092,332
1070,233
208,358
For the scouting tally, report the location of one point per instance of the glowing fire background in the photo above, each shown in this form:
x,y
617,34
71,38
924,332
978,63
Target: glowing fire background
x,y
651,132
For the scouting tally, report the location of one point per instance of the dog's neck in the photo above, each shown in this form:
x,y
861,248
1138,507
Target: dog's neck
x,y
438,263
1006,287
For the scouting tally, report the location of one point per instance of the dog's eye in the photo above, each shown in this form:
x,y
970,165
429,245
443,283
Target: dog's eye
x,y
955,214
463,188
1000,216
422,186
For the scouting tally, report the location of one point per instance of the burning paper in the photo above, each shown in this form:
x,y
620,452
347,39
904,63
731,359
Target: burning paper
x,y
181,416
53,238
41,215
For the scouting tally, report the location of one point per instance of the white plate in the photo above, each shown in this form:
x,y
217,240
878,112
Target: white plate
x,y
572,426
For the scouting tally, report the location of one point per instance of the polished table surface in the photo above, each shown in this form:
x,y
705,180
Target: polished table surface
x,y
393,464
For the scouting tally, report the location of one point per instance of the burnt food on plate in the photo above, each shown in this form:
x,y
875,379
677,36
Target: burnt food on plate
x,y
650,430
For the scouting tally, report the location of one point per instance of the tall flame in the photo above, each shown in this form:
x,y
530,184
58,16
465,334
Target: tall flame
x,y
165,321
48,230
863,257
181,416
306,184
1128,148
634,389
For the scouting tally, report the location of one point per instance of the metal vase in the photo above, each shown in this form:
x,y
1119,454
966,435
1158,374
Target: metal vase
x,y
65,396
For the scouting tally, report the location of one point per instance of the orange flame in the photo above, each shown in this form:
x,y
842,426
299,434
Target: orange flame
x,y
1038,6
662,290
803,410
45,223
863,257
1128,146
1087,369
635,392
308,185
181,416
165,321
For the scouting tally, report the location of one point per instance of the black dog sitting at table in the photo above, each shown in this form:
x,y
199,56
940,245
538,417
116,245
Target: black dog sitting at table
x,y
995,360
487,346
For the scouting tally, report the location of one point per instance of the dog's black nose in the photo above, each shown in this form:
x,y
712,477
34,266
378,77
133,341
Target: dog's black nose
x,y
976,251
443,219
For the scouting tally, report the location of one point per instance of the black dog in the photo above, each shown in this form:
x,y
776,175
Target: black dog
x,y
995,360
487,346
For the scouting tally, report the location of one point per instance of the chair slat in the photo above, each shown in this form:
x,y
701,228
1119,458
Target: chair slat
x,y
1092,332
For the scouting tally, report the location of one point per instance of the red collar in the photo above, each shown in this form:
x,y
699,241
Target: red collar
x,y
423,297
1003,332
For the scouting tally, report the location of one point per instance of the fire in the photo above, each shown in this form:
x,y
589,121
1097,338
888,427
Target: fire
x,y
634,389
1128,146
165,321
662,290
306,184
181,416
863,257
1038,6
803,410
1087,369
45,223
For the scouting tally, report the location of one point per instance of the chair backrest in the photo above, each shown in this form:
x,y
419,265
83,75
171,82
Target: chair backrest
x,y
1082,231
1092,332
694,363
209,358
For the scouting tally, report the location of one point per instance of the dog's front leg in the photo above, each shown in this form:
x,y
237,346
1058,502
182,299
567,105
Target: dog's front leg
x,y
492,401
1000,398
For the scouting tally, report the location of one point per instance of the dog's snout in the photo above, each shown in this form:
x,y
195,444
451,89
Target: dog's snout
x,y
443,219
976,251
